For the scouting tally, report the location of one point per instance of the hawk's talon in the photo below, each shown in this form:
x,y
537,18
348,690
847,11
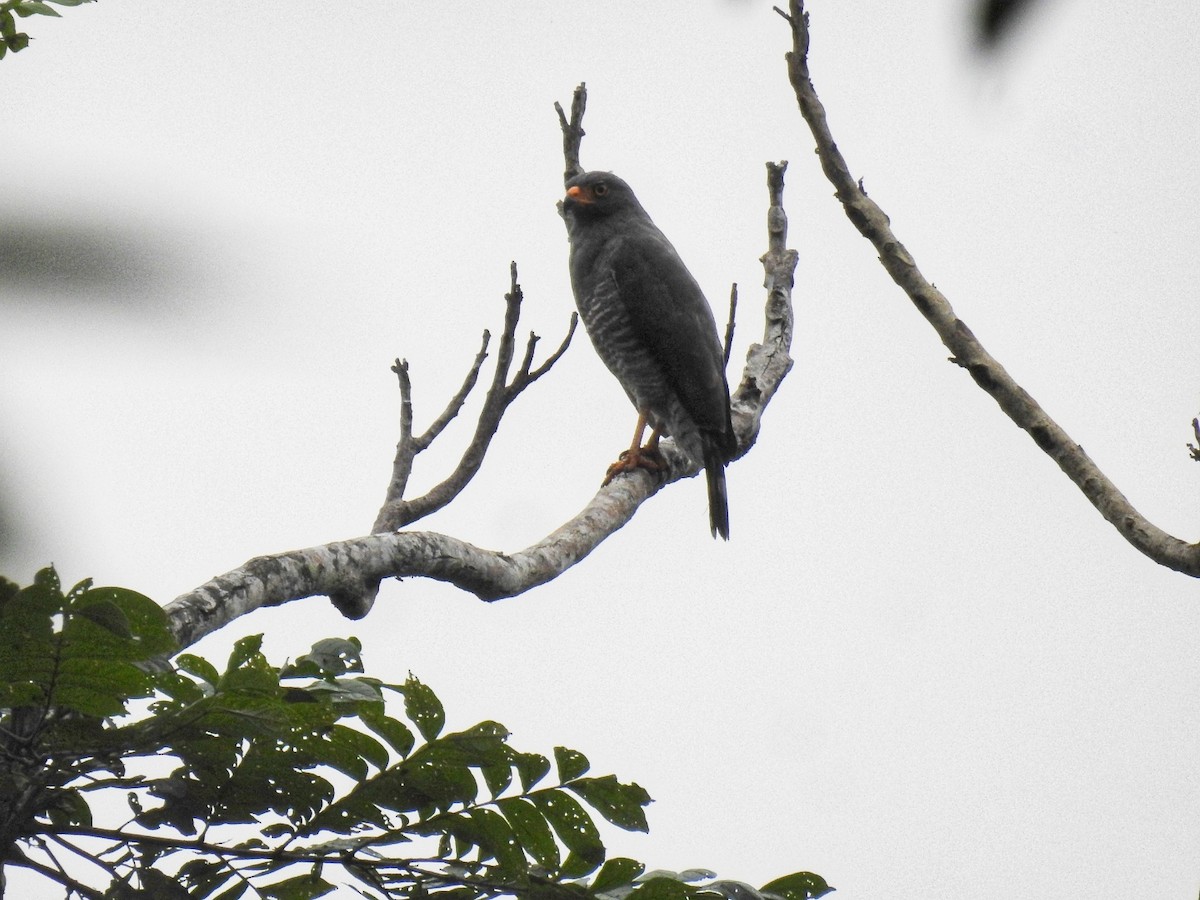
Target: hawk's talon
x,y
649,458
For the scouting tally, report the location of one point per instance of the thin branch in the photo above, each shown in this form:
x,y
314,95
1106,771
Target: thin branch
x,y
354,568
356,599
54,873
456,402
572,131
525,377
729,323
967,352
408,446
398,512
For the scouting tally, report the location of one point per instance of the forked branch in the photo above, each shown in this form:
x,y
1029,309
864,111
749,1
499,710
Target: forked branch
x,y
349,572
398,512
967,352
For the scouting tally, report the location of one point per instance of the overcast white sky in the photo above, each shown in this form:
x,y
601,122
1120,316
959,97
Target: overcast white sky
x,y
924,666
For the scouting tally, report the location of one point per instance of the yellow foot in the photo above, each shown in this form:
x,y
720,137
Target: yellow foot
x,y
645,458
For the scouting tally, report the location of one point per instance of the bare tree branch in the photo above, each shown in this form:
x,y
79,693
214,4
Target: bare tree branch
x,y
398,512
351,569
356,600
572,131
408,446
729,324
967,352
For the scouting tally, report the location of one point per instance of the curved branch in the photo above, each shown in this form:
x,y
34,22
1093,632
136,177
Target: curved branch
x,y
875,226
353,569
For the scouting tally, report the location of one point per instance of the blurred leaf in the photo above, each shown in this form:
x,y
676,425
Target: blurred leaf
x,y
35,7
302,887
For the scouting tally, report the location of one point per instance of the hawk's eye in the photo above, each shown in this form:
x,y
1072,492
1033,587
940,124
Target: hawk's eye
x,y
600,190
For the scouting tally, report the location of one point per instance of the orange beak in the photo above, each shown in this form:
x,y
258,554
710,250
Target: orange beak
x,y
579,195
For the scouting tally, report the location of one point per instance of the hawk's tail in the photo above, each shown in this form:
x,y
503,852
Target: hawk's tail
x,y
718,499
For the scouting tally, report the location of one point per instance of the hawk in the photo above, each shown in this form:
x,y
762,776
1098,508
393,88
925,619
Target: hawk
x,y
653,328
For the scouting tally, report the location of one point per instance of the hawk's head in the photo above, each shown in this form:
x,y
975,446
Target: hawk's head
x,y
595,195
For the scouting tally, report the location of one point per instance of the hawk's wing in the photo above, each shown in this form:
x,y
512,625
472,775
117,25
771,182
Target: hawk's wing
x,y
669,316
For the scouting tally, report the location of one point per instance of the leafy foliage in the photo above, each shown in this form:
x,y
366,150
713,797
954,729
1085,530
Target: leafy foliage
x,y
283,782
10,38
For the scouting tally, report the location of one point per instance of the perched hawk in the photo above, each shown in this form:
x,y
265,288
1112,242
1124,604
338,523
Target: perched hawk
x,y
652,327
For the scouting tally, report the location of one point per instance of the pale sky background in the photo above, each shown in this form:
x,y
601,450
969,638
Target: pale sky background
x,y
924,667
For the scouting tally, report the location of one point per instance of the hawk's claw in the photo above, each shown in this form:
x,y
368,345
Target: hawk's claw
x,y
647,457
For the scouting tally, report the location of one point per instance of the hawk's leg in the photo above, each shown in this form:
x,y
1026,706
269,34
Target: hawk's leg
x,y
637,456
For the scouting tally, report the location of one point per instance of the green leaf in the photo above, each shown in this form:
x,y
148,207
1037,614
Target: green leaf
x,y
496,838
203,876
145,620
328,658
234,893
302,887
532,767
32,7
80,653
69,809
160,886
245,651
662,888
198,666
422,706
574,828
798,886
70,2
531,830
395,732
498,776
8,27
480,745
620,804
616,873
571,763
362,748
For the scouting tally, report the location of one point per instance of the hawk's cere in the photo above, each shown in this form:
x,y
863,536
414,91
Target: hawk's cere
x,y
652,327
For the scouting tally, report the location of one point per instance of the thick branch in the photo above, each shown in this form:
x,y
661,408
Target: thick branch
x,y
874,225
354,568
